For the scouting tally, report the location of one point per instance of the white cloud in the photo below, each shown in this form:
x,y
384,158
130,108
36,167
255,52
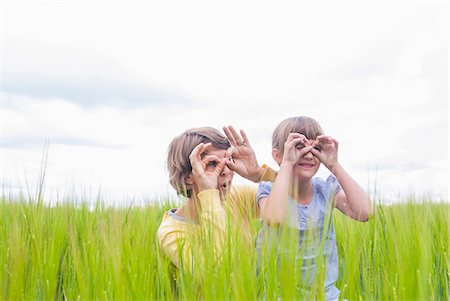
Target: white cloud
x,y
374,75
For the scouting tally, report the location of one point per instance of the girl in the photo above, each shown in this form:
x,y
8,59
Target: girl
x,y
304,202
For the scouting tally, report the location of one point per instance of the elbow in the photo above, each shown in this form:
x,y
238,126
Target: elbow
x,y
364,215
363,218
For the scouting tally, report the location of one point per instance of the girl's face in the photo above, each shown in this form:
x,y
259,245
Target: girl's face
x,y
307,166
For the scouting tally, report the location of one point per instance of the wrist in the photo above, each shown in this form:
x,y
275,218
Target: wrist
x,y
286,165
259,173
335,167
204,186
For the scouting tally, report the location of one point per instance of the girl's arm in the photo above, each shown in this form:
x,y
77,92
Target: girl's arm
x,y
274,207
352,200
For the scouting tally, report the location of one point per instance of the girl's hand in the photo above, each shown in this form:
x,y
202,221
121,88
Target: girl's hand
x,y
326,149
295,147
243,157
206,170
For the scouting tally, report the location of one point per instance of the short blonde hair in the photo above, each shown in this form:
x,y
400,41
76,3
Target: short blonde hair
x,y
302,125
178,162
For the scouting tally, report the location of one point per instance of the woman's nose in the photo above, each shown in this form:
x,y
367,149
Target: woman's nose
x,y
225,171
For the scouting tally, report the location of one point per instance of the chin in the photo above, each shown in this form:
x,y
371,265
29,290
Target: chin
x,y
305,174
224,194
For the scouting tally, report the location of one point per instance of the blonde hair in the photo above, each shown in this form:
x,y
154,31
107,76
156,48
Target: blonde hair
x,y
302,125
178,162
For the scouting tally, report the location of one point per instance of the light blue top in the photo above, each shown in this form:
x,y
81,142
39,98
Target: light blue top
x,y
312,220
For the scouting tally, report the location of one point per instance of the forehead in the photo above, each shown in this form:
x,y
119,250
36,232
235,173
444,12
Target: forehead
x,y
308,142
221,153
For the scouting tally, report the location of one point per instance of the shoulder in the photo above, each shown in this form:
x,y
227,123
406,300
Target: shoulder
x,y
329,183
264,189
265,186
170,223
326,188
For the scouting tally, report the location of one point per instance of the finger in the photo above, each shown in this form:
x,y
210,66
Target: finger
x,y
202,151
236,136
229,153
211,158
198,151
293,136
231,165
335,142
195,152
220,166
305,150
195,159
324,138
244,136
294,142
303,136
316,152
229,136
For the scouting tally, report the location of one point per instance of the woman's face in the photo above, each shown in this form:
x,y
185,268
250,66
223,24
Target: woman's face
x,y
226,175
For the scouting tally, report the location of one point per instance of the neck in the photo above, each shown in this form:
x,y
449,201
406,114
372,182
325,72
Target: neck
x,y
190,209
302,190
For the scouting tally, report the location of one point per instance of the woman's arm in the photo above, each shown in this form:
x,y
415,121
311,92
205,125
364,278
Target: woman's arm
x,y
185,243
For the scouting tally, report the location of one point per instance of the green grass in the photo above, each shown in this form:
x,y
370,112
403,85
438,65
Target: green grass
x,y
71,252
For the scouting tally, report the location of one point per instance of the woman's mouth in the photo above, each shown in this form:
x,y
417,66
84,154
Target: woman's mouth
x,y
225,186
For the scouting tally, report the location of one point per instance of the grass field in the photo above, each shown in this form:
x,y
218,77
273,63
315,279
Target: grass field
x,y
73,252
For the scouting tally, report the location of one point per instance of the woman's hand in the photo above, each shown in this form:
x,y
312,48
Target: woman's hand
x,y
295,147
243,157
206,170
326,149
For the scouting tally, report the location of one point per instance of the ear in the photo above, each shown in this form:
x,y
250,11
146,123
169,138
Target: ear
x,y
277,155
189,179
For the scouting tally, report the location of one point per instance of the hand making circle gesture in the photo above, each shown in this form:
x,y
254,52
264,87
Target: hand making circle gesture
x,y
327,152
243,157
295,147
206,170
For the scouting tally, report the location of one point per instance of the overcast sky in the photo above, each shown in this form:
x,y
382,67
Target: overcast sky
x,y
110,84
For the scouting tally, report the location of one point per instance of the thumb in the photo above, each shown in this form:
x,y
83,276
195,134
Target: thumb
x,y
231,165
229,152
317,153
306,150
220,166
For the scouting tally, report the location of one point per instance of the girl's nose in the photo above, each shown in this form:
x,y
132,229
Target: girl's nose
x,y
309,156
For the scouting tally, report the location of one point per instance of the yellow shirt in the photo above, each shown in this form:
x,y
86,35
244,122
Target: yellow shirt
x,y
183,241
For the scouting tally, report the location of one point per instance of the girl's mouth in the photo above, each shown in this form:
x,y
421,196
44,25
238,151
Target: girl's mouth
x,y
306,165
